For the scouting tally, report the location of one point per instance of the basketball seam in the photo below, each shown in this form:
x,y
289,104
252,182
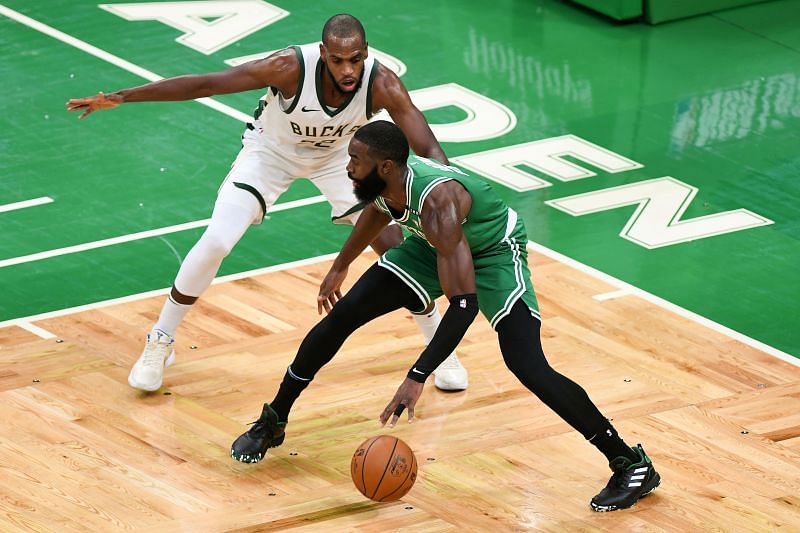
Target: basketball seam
x,y
384,469
364,465
413,462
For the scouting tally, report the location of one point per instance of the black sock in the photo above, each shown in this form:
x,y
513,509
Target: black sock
x,y
611,444
289,391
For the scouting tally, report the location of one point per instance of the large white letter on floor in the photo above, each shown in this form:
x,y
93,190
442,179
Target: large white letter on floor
x,y
208,26
486,118
543,156
657,219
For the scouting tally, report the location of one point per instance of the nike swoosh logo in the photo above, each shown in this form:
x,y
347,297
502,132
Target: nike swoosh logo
x,y
417,371
304,110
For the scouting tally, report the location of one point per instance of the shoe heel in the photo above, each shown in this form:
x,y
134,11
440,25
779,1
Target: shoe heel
x,y
655,484
277,442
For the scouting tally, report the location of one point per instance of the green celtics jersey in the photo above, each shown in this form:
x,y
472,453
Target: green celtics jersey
x,y
487,223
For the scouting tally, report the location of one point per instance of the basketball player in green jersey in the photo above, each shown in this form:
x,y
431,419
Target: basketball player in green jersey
x,y
469,245
318,96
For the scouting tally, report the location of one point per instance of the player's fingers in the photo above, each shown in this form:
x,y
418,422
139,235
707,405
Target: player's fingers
x,y
85,113
385,415
410,414
393,423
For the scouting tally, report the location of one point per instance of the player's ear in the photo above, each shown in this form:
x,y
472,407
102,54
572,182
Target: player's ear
x,y
366,50
323,53
387,166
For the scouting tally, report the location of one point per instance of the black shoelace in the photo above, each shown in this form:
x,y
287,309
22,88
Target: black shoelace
x,y
260,429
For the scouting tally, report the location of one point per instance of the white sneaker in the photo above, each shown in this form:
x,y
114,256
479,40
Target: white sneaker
x,y
451,375
148,371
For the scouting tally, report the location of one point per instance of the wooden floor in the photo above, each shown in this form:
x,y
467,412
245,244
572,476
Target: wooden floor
x,y
82,451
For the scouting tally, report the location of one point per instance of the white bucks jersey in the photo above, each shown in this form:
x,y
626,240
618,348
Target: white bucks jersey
x,y
304,126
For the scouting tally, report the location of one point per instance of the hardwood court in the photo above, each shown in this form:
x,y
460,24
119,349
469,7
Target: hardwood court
x,y
82,451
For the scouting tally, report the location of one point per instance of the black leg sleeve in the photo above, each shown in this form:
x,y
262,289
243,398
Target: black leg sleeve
x,y
376,293
521,345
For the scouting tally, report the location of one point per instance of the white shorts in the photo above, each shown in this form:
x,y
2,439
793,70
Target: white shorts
x,y
266,174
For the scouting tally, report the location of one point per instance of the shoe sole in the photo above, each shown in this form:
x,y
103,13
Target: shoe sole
x,y
608,508
443,384
133,383
251,459
451,388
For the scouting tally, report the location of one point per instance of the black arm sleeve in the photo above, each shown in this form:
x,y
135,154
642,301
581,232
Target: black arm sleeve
x,y
462,311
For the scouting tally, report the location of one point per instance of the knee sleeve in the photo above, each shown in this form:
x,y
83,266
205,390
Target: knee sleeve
x,y
228,224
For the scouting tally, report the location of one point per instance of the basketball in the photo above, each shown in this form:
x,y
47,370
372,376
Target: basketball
x,y
383,468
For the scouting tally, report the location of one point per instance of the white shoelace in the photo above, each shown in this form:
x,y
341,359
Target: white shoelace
x,y
451,363
156,352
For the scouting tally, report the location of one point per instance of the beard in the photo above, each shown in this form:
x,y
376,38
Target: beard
x,y
368,189
339,87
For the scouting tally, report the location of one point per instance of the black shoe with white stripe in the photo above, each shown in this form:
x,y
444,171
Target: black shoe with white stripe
x,y
629,482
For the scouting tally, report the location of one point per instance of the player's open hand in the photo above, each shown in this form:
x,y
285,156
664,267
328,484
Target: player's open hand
x,y
90,104
330,290
404,399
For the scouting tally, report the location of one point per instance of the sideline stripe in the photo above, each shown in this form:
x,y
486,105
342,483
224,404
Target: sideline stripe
x,y
159,292
680,311
660,302
26,203
142,235
611,295
111,58
36,330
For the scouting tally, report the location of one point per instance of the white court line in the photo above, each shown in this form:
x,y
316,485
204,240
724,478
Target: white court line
x,y
611,295
143,235
660,302
24,322
111,58
135,69
630,289
26,203
36,330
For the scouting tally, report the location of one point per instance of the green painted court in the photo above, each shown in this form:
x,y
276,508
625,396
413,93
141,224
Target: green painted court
x,y
664,156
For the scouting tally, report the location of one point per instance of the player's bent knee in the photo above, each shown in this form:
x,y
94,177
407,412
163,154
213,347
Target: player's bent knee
x,y
528,366
216,245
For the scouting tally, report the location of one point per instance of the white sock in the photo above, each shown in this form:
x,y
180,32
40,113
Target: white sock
x,y
171,316
428,323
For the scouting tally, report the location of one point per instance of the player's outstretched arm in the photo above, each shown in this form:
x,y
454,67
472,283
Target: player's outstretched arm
x,y
389,93
369,225
279,70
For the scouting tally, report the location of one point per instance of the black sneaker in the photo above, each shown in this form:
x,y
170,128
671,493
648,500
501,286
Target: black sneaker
x,y
266,433
629,482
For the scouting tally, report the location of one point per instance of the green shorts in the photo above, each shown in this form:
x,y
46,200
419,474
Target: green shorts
x,y
501,274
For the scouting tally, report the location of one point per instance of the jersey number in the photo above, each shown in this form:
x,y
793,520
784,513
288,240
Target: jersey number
x,y
325,143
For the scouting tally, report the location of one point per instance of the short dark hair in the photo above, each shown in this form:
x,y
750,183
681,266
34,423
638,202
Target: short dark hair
x,y
384,140
343,26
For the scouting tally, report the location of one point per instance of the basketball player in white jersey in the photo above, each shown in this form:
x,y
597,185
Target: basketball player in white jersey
x,y
317,97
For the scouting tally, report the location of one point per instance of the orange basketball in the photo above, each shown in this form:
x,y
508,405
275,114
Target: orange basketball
x,y
383,468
